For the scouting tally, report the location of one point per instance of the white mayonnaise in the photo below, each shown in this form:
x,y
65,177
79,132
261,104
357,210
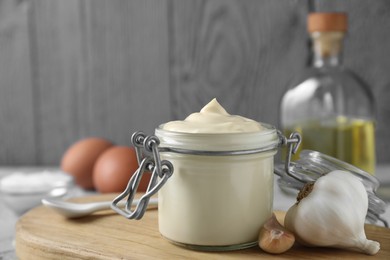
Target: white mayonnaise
x,y
216,202
213,118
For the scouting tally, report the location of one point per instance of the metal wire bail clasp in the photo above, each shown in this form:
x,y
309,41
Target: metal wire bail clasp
x,y
148,157
292,144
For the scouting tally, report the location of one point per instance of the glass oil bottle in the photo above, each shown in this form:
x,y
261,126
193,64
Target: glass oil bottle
x,y
331,108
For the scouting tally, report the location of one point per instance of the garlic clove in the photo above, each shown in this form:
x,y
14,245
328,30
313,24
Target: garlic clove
x,y
274,238
331,213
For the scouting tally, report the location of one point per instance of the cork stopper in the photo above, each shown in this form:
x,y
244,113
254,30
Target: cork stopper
x,y
325,22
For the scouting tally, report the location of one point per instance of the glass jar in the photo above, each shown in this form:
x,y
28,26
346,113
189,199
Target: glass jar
x,y
216,190
221,191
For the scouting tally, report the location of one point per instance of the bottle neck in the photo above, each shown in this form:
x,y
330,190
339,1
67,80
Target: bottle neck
x,y
327,48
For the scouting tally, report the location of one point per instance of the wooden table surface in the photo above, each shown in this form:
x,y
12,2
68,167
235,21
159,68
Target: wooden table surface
x,y
44,234
8,220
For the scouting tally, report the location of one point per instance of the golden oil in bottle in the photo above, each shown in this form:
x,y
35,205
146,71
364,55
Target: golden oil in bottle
x,y
350,140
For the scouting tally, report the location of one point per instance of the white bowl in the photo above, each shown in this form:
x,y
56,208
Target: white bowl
x,y
22,191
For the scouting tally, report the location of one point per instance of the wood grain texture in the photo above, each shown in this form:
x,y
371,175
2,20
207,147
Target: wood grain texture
x,y
128,84
43,234
78,68
56,50
238,52
101,71
17,96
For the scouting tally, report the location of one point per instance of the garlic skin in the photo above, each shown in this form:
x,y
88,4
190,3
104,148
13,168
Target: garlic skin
x,y
333,214
274,238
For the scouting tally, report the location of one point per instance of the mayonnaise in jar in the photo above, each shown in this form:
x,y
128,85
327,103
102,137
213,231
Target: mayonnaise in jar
x,y
221,191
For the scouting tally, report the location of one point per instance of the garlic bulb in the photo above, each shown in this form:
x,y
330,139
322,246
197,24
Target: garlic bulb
x,y
331,213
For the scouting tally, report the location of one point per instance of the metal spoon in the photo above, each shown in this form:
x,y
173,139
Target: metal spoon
x,y
77,210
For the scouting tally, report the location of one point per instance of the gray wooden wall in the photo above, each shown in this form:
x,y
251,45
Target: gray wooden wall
x,y
77,68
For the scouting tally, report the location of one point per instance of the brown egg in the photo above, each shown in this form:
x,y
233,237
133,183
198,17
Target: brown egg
x,y
80,158
114,168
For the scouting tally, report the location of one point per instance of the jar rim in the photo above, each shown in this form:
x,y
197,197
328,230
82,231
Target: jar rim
x,y
258,141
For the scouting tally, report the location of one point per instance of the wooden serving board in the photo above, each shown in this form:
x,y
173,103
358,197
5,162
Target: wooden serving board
x,y
43,234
